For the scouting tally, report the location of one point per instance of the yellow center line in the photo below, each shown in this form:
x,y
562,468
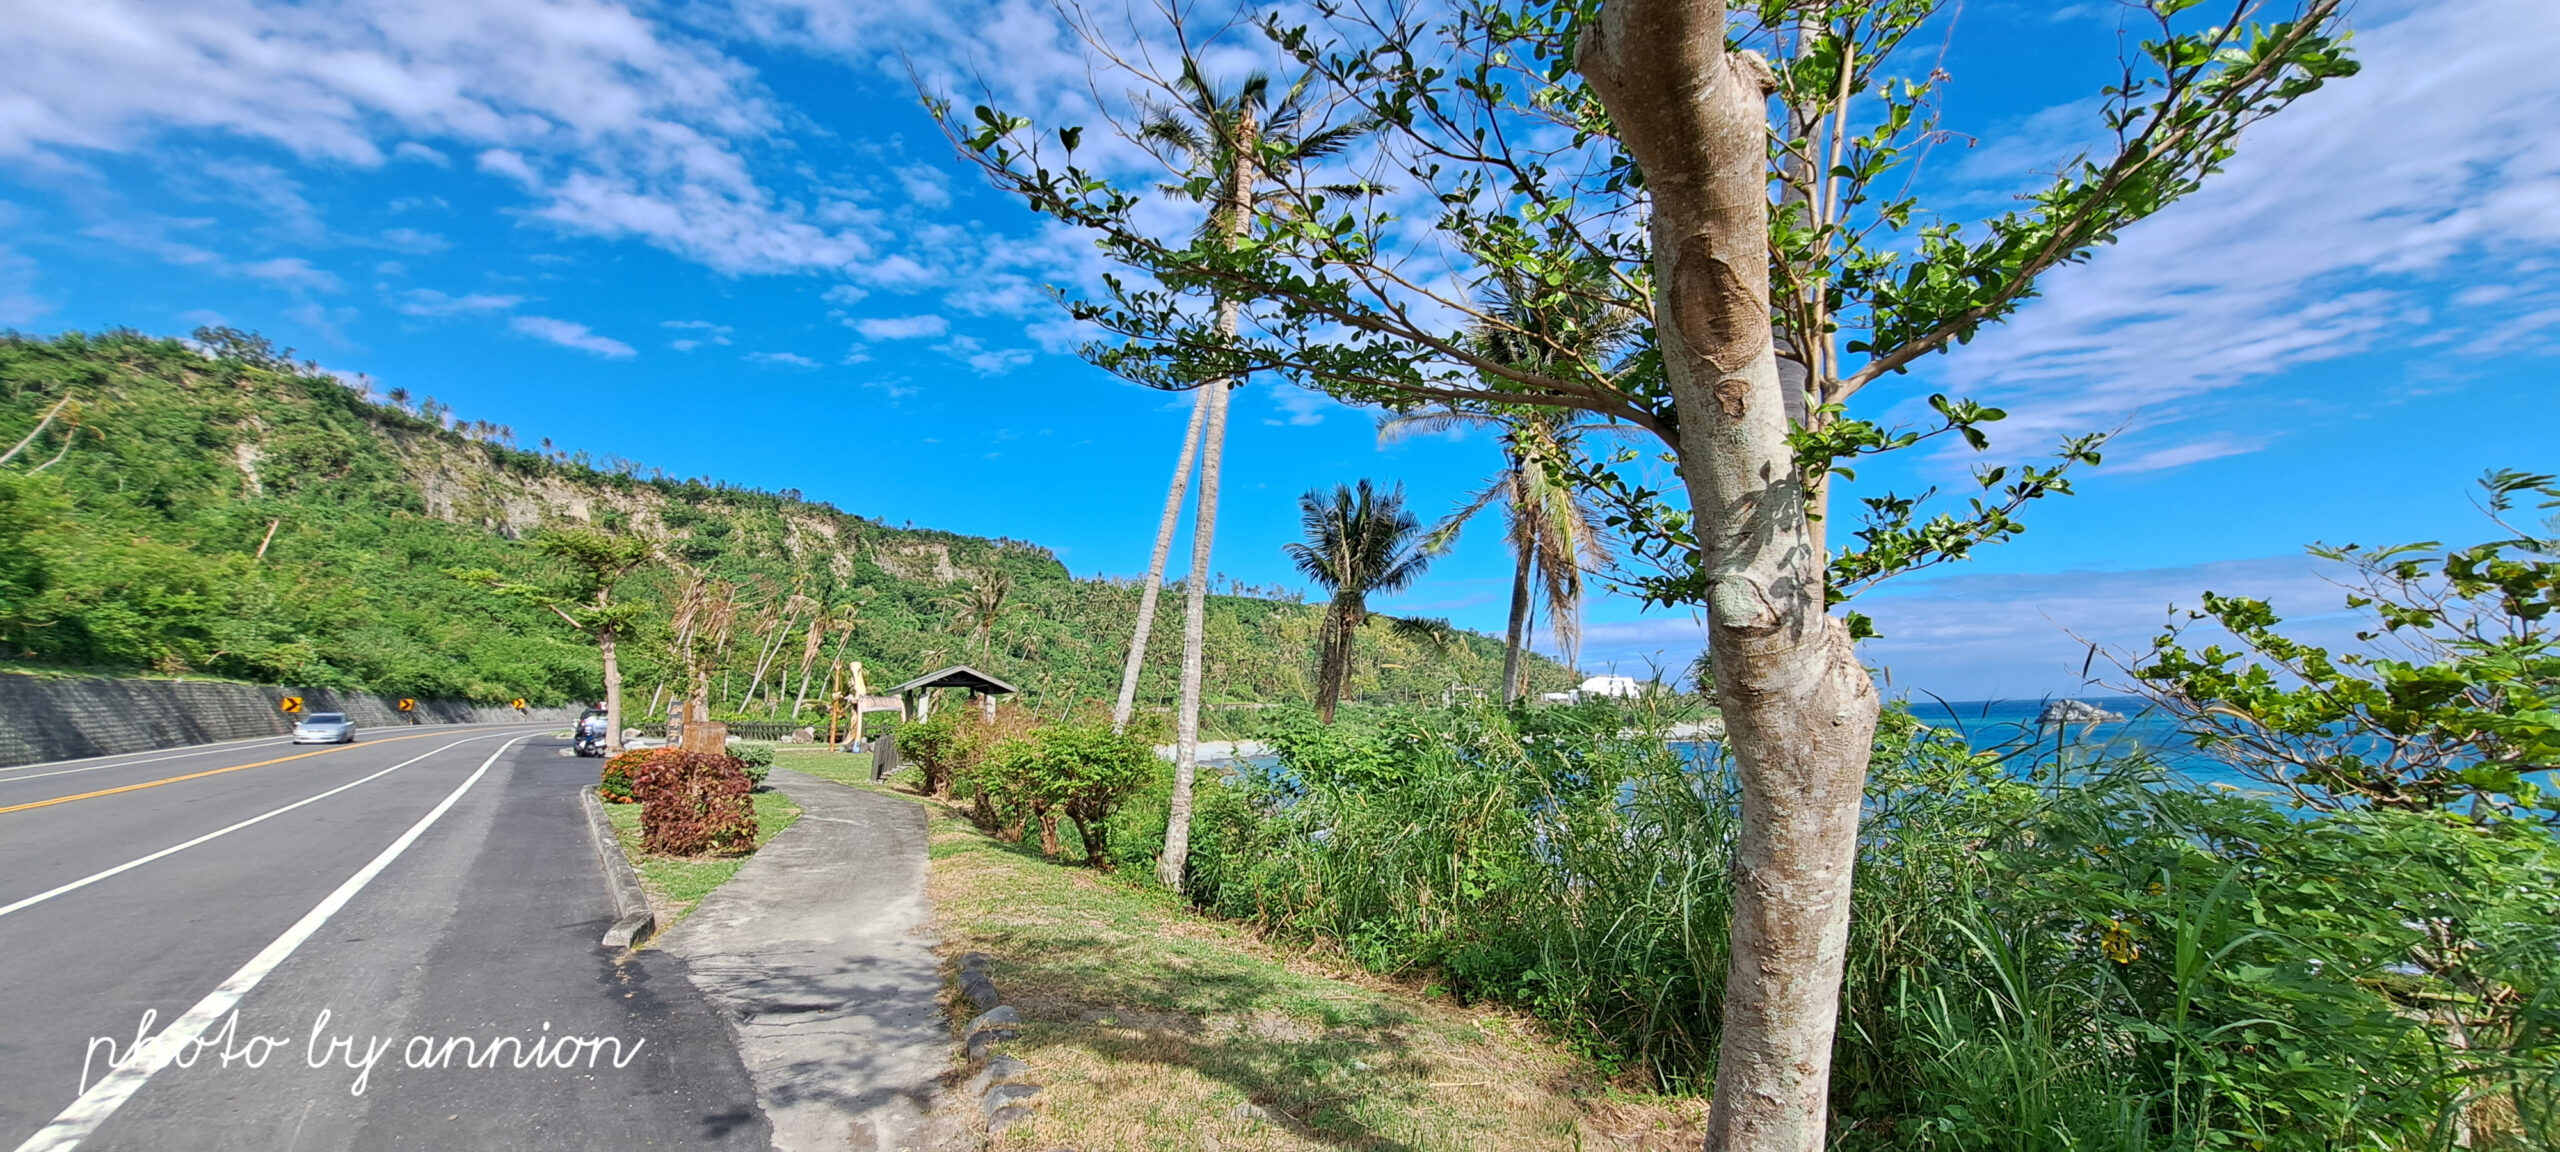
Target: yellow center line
x,y
201,775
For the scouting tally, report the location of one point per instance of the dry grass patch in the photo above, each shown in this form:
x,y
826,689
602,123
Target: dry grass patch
x,y
1154,1028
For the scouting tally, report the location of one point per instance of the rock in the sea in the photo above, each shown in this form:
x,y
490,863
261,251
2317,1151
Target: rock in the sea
x,y
2076,712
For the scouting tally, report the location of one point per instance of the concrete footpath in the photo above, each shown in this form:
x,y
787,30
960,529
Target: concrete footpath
x,y
820,951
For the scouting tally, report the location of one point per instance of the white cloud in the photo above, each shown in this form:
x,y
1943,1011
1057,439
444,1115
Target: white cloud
x,y
155,234
292,272
1301,406
901,327
429,302
414,240
615,119
2339,225
971,351
569,335
897,272
2213,446
782,359
711,333
1979,635
925,185
2023,635
266,187
1061,337
19,303
613,124
330,323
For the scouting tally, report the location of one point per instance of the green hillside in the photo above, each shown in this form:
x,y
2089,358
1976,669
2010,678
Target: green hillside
x,y
131,531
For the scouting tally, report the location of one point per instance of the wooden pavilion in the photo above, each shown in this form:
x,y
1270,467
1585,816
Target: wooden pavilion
x,y
983,689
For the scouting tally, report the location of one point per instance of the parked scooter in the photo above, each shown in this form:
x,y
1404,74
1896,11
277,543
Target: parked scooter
x,y
588,738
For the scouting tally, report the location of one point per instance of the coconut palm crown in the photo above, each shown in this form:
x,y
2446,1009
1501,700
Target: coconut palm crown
x,y
1359,542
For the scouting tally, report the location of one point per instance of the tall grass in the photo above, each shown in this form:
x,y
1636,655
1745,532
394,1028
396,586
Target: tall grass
x,y
2078,956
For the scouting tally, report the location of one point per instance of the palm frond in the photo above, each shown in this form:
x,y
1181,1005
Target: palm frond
x,y
1430,421
1439,634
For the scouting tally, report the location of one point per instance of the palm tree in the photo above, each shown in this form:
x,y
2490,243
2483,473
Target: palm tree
x,y
1128,702
977,606
1536,325
1238,140
1359,542
1548,523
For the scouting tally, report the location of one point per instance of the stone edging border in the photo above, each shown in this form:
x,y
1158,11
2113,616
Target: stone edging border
x,y
998,1088
632,919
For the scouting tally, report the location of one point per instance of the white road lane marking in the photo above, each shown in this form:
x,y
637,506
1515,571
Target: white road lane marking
x,y
174,849
198,750
77,1122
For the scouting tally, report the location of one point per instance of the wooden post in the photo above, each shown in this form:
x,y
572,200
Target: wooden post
x,y
835,697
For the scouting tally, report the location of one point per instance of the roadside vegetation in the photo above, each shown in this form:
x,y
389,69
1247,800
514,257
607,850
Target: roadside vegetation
x,y
2053,945
2059,953
1152,1027
675,884
688,820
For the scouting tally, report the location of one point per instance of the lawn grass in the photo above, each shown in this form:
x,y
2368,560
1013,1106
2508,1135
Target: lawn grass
x,y
825,763
674,884
1153,1027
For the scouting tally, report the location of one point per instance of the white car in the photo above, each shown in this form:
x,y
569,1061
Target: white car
x,y
325,728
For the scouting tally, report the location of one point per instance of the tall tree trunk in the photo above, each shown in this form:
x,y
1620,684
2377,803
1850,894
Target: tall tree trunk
x,y
1518,636
808,662
769,651
607,641
1799,712
1333,664
1128,703
1235,218
1195,618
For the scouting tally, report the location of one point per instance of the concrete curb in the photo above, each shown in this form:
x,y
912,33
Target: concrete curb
x,y
632,919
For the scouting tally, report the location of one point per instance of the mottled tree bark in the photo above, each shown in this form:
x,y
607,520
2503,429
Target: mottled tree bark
x,y
607,640
1799,712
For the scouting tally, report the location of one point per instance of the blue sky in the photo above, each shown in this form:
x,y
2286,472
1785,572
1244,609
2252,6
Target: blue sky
x,y
721,238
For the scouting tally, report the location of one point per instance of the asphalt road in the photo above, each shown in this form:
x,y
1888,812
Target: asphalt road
x,y
431,890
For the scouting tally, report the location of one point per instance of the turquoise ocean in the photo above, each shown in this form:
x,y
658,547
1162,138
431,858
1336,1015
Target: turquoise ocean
x,y
2010,726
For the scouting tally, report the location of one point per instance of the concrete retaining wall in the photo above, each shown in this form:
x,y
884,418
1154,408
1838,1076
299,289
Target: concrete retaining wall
x,y
45,719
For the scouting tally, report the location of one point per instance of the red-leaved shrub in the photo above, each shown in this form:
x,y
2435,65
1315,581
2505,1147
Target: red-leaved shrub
x,y
694,804
614,787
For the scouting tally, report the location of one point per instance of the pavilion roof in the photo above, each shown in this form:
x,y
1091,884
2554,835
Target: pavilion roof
x,y
957,676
